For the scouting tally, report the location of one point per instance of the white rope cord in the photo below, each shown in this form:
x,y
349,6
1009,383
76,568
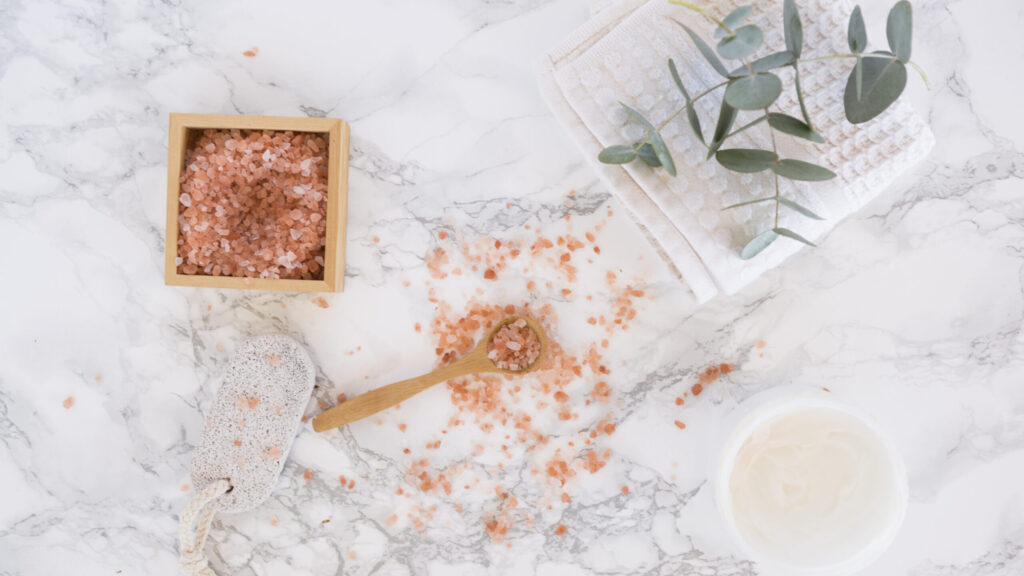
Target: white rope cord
x,y
193,561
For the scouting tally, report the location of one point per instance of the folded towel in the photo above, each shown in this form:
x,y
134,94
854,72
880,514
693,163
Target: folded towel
x,y
621,55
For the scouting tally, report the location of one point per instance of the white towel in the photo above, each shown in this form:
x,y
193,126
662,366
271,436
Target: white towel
x,y
621,55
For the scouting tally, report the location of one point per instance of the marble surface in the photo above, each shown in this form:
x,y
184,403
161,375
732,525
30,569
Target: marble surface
x,y
912,309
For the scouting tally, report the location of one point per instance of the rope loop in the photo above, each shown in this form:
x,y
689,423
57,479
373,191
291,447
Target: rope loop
x,y
192,536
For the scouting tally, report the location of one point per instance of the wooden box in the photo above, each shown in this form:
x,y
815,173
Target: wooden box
x,y
182,126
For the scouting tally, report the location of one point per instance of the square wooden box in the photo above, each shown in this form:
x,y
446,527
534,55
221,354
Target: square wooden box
x,y
181,128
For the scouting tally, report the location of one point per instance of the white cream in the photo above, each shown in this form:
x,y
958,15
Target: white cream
x,y
814,486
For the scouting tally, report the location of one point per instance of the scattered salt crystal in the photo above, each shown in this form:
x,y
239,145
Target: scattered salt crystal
x,y
298,190
266,156
210,147
314,217
296,234
230,144
185,199
178,261
514,346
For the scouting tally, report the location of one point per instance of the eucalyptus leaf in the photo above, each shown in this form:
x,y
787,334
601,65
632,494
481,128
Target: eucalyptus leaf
x,y
691,113
800,95
746,160
706,50
899,30
792,28
856,32
734,19
726,118
883,82
617,154
769,62
793,126
742,43
749,202
790,234
753,92
660,149
800,170
647,154
794,206
758,244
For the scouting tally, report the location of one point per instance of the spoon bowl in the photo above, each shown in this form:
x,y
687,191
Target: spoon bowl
x,y
476,361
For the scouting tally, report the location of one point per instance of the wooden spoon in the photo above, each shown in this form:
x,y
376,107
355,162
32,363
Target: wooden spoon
x,y
385,397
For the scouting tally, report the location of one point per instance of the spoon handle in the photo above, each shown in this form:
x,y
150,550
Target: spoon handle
x,y
385,397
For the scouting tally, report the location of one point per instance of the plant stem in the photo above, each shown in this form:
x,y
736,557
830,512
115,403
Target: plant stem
x,y
775,151
745,126
701,11
835,56
920,71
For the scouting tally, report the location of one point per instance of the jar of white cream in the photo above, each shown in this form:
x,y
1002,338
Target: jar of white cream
x,y
808,485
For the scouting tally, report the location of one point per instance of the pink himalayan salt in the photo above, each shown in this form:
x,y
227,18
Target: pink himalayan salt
x,y
514,346
253,204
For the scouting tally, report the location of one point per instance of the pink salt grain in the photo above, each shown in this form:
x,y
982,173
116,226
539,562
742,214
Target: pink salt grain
x,y
253,204
514,346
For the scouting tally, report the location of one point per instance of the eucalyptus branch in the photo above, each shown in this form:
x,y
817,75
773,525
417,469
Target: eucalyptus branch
x,y
690,104
647,139
876,81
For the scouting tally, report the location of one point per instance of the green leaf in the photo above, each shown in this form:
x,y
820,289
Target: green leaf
x,y
660,149
618,154
753,92
749,202
734,19
758,244
793,127
691,114
790,234
706,50
800,95
742,43
746,160
769,62
794,206
647,154
800,170
899,30
793,28
726,117
883,82
856,33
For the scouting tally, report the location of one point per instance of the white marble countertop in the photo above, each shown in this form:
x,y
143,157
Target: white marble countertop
x,y
911,309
